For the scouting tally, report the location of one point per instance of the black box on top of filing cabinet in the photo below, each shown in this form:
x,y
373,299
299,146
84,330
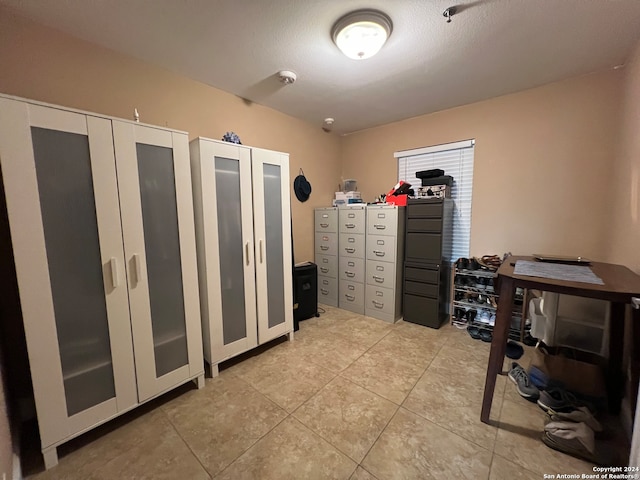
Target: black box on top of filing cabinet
x,y
305,291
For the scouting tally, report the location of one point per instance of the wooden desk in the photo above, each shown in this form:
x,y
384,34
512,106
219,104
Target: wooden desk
x,y
620,285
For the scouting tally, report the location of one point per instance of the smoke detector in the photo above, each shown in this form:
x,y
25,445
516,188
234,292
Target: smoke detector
x,y
327,125
287,77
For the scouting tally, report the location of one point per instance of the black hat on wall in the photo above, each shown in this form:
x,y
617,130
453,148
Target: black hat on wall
x,y
301,187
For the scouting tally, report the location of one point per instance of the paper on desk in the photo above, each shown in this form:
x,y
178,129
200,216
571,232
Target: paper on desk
x,y
557,271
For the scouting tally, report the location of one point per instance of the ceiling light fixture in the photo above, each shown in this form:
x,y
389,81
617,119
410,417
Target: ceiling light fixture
x,y
361,34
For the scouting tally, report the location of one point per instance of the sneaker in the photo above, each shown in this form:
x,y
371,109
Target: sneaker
x,y
575,439
557,400
519,376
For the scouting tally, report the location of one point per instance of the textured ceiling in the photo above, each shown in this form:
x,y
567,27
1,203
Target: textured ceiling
x,y
492,47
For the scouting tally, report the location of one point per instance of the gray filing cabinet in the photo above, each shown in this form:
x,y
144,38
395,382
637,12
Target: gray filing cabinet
x,y
326,250
352,222
385,249
429,237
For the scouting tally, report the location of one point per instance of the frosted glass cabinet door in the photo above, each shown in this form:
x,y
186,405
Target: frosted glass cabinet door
x,y
274,270
222,178
159,240
60,182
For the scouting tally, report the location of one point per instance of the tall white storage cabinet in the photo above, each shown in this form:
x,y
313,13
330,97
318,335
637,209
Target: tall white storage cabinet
x,y
243,225
101,223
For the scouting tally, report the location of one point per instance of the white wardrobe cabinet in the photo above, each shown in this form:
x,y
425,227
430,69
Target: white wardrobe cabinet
x,y
101,223
243,227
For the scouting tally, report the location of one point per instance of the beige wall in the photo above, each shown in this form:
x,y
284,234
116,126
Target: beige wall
x,y
624,231
542,167
43,64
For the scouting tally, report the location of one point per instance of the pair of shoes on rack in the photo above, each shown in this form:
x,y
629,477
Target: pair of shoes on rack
x,y
525,388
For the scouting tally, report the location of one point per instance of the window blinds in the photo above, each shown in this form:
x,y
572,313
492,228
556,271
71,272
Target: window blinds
x,y
456,159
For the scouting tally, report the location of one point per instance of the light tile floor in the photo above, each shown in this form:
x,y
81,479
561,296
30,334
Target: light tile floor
x,y
350,398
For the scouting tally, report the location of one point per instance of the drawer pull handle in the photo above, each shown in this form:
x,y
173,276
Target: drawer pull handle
x,y
382,215
324,270
324,247
377,304
351,298
324,225
351,287
350,225
350,250
324,291
349,274
378,253
351,264
378,279
325,238
380,226
351,215
325,282
325,215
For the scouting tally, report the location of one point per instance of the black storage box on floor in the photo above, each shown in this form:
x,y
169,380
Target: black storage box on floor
x,y
305,292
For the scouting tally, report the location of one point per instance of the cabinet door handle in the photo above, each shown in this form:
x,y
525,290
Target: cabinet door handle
x,y
350,225
378,253
115,276
377,304
379,226
349,274
378,279
324,291
324,270
350,250
351,298
324,247
246,252
261,250
138,266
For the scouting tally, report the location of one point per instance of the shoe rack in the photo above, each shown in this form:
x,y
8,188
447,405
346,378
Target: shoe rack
x,y
474,302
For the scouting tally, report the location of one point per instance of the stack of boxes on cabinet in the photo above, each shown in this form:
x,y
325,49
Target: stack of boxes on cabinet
x,y
358,262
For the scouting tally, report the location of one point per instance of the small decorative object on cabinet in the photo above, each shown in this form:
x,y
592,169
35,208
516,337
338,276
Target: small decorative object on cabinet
x,y
474,301
326,228
351,260
101,218
245,269
385,251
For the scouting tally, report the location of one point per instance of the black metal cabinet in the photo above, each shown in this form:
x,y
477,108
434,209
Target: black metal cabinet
x,y
427,268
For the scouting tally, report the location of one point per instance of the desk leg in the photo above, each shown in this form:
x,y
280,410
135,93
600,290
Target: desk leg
x,y
498,344
616,345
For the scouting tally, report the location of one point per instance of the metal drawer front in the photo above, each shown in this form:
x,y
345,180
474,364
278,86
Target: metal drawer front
x,y
351,293
327,265
421,310
429,275
352,245
328,290
327,243
424,289
424,225
424,247
379,298
352,268
381,274
382,221
326,220
425,210
382,248
351,220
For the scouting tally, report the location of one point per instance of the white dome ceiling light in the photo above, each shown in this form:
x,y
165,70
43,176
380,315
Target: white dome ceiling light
x,y
361,34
